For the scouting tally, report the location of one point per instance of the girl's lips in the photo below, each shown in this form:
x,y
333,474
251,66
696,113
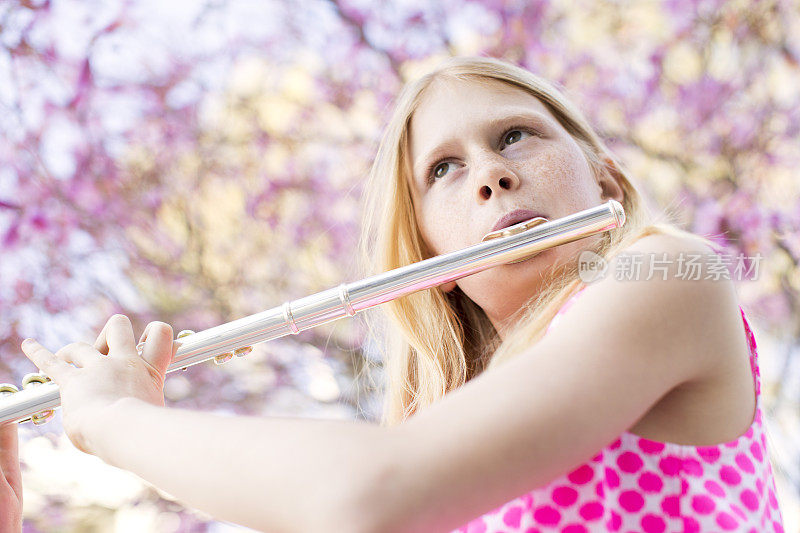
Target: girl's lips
x,y
514,217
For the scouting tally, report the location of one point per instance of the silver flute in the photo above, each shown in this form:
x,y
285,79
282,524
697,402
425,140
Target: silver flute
x,y
514,244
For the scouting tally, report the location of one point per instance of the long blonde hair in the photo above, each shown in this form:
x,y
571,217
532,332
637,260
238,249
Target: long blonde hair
x,y
433,342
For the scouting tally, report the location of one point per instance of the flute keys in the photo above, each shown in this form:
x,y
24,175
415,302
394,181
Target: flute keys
x,y
7,388
238,352
34,380
40,418
223,358
241,352
185,333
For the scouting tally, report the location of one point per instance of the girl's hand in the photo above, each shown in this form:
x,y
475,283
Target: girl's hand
x,y
10,480
105,373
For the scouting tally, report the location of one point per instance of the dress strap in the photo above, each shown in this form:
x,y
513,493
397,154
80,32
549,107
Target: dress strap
x,y
564,308
751,343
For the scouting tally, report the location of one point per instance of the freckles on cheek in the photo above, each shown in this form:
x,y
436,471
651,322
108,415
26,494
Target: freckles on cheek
x,y
565,172
557,163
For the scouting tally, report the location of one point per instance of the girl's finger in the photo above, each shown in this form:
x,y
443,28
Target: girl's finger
x,y
146,332
117,336
8,446
9,457
9,452
45,360
158,347
80,354
100,344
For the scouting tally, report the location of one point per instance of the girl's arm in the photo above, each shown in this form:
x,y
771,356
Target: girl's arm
x,y
620,348
270,474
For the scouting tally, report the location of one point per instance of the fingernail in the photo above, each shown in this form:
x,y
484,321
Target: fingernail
x,y
144,334
28,342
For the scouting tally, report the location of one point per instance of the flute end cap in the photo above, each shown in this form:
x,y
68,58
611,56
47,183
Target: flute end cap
x,y
619,212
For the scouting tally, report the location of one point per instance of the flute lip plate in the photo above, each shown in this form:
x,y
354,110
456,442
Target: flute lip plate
x,y
519,227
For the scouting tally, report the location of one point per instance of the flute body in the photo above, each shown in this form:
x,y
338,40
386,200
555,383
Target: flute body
x,y
512,244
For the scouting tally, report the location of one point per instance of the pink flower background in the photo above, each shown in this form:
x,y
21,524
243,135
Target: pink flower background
x,y
196,162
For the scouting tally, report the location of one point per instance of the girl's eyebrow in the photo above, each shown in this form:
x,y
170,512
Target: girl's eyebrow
x,y
511,116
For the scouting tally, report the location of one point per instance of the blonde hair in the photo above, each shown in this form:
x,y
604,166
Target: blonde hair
x,y
433,342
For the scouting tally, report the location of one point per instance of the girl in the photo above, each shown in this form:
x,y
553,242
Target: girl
x,y
520,398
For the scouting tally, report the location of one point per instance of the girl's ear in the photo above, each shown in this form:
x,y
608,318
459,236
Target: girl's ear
x,y
610,181
447,287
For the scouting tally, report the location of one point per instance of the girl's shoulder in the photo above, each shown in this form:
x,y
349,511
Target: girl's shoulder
x,y
675,243
721,394
681,279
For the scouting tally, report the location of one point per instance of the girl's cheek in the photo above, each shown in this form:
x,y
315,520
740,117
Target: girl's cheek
x,y
568,169
557,161
435,225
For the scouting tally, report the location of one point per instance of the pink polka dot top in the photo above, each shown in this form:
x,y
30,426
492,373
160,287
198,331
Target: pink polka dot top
x,y
640,485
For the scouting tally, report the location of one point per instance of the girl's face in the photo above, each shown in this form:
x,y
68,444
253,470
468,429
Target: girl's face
x,y
481,150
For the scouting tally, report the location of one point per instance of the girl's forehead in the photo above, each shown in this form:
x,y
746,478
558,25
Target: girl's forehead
x,y
480,93
450,106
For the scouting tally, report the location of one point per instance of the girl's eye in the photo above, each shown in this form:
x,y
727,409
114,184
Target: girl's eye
x,y
438,168
514,135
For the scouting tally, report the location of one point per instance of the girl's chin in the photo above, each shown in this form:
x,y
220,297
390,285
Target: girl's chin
x,y
533,267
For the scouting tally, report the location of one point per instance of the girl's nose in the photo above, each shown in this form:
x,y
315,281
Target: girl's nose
x,y
494,175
